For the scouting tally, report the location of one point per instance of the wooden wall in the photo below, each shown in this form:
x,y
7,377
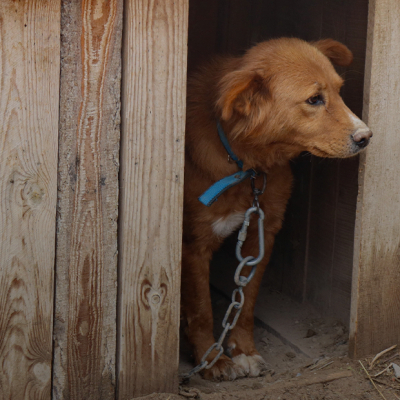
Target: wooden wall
x,y
60,180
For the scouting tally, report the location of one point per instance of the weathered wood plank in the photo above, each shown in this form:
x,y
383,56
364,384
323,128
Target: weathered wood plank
x,y
29,98
375,312
153,98
86,269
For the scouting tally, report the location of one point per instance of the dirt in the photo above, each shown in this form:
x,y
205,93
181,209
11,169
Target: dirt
x,y
294,374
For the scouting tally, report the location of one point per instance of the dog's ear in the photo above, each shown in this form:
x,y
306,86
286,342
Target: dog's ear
x,y
337,52
238,92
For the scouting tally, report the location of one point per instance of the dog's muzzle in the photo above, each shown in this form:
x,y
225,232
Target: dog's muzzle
x,y
361,137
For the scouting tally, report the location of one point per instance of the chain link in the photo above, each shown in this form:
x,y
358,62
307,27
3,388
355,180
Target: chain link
x,y
240,280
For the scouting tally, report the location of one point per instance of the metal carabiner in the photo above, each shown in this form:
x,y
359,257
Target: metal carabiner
x,y
243,234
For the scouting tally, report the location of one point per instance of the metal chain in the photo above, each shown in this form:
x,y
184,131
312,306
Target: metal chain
x,y
257,191
240,280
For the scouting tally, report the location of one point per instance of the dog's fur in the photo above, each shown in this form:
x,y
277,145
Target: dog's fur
x,y
262,100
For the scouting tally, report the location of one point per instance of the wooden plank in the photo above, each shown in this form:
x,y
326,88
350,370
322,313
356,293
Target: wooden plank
x,y
202,43
375,309
322,232
356,17
86,271
233,26
295,231
228,29
29,99
341,272
153,99
271,19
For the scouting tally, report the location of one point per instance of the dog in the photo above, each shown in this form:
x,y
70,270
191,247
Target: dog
x,y
281,98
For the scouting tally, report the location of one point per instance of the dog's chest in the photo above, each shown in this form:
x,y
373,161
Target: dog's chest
x,y
223,227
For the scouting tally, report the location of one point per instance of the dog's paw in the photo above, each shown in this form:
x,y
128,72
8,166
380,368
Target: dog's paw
x,y
252,366
224,370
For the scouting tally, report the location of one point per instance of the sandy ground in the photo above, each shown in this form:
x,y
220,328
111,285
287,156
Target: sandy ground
x,y
294,374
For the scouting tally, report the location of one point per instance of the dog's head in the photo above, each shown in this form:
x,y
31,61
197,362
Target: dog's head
x,y
286,91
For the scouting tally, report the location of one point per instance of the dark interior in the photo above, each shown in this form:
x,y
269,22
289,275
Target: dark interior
x,y
313,254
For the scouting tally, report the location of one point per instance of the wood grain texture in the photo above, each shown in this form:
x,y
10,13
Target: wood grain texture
x,y
29,99
375,312
86,270
154,97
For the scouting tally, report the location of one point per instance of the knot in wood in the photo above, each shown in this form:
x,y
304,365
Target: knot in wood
x,y
42,372
84,328
33,193
155,298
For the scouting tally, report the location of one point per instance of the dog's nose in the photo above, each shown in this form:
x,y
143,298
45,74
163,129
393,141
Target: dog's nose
x,y
361,137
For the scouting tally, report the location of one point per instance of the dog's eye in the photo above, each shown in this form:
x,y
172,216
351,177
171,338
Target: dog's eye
x,y
316,100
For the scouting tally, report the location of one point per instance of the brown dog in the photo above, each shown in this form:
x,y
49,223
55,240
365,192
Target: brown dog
x,y
280,99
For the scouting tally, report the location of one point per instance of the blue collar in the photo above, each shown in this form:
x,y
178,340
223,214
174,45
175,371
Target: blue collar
x,y
228,149
214,191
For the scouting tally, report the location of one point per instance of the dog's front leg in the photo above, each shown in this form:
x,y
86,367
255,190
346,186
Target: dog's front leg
x,y
241,341
196,307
